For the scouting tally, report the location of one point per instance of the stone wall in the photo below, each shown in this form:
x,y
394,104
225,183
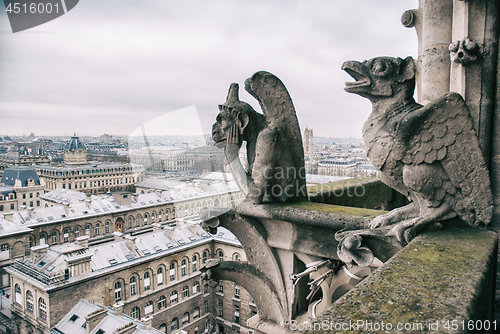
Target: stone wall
x,y
364,192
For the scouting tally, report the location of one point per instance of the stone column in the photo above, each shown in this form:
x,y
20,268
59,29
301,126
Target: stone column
x,y
436,37
474,54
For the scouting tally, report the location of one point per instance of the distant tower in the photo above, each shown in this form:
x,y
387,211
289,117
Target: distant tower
x,y
308,144
75,151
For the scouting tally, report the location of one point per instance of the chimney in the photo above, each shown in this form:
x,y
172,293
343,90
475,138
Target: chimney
x,y
9,216
157,227
169,232
94,318
130,242
118,307
148,321
118,235
38,252
192,227
123,198
83,241
126,329
88,200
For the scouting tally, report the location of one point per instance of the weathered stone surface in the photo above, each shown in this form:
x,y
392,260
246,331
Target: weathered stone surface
x,y
430,154
440,276
276,171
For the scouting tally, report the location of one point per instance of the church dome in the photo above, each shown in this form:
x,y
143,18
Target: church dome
x,y
74,144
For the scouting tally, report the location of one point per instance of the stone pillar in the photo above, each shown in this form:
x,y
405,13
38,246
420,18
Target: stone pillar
x,y
435,38
474,54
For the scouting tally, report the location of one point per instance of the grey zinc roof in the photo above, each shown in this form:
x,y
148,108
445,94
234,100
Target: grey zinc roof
x,y
8,227
22,173
109,324
107,255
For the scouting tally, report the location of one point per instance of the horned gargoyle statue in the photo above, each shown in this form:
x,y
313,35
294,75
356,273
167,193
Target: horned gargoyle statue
x,y
273,141
429,153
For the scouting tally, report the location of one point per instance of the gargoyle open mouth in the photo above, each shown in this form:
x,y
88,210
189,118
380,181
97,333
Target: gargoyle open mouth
x,y
356,70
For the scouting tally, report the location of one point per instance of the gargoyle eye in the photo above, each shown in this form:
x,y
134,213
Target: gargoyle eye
x,y
380,69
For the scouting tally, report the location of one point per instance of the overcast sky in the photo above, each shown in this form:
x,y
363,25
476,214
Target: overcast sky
x,y
109,66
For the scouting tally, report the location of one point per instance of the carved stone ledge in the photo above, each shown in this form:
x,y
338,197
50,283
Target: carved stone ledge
x,y
439,276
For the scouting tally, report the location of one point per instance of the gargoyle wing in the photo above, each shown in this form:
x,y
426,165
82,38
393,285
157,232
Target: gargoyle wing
x,y
277,105
442,132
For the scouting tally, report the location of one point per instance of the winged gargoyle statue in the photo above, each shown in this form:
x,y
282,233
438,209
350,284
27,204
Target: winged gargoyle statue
x,y
275,155
429,153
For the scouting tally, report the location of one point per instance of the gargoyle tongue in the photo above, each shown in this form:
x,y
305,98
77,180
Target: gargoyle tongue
x,y
356,70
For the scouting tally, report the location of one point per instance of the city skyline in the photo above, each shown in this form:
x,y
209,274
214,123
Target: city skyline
x,y
107,69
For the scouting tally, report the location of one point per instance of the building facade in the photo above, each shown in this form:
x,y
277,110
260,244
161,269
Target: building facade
x,y
20,188
154,277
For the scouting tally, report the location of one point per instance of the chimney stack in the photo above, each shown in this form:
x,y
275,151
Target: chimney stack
x,y
94,318
83,241
130,242
38,252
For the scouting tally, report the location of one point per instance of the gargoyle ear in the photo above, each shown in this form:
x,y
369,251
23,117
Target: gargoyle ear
x,y
243,119
406,70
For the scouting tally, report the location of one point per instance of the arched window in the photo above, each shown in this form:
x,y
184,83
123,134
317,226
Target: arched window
x,y
87,230
180,211
18,296
175,324
205,257
54,238
159,275
147,282
196,313
159,216
183,267
106,227
166,215
138,221
135,313
236,257
221,256
162,302
133,286
118,292
129,222
174,297
185,318
185,292
146,217
194,263
172,271
149,308
66,235
31,241
153,218
29,301
196,287
42,309
43,238
97,229
198,208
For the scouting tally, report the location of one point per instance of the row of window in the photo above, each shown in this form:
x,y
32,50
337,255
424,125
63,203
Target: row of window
x,y
42,307
162,303
134,289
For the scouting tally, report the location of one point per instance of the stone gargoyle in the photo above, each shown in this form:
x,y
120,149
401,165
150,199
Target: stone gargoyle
x,y
275,155
429,153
